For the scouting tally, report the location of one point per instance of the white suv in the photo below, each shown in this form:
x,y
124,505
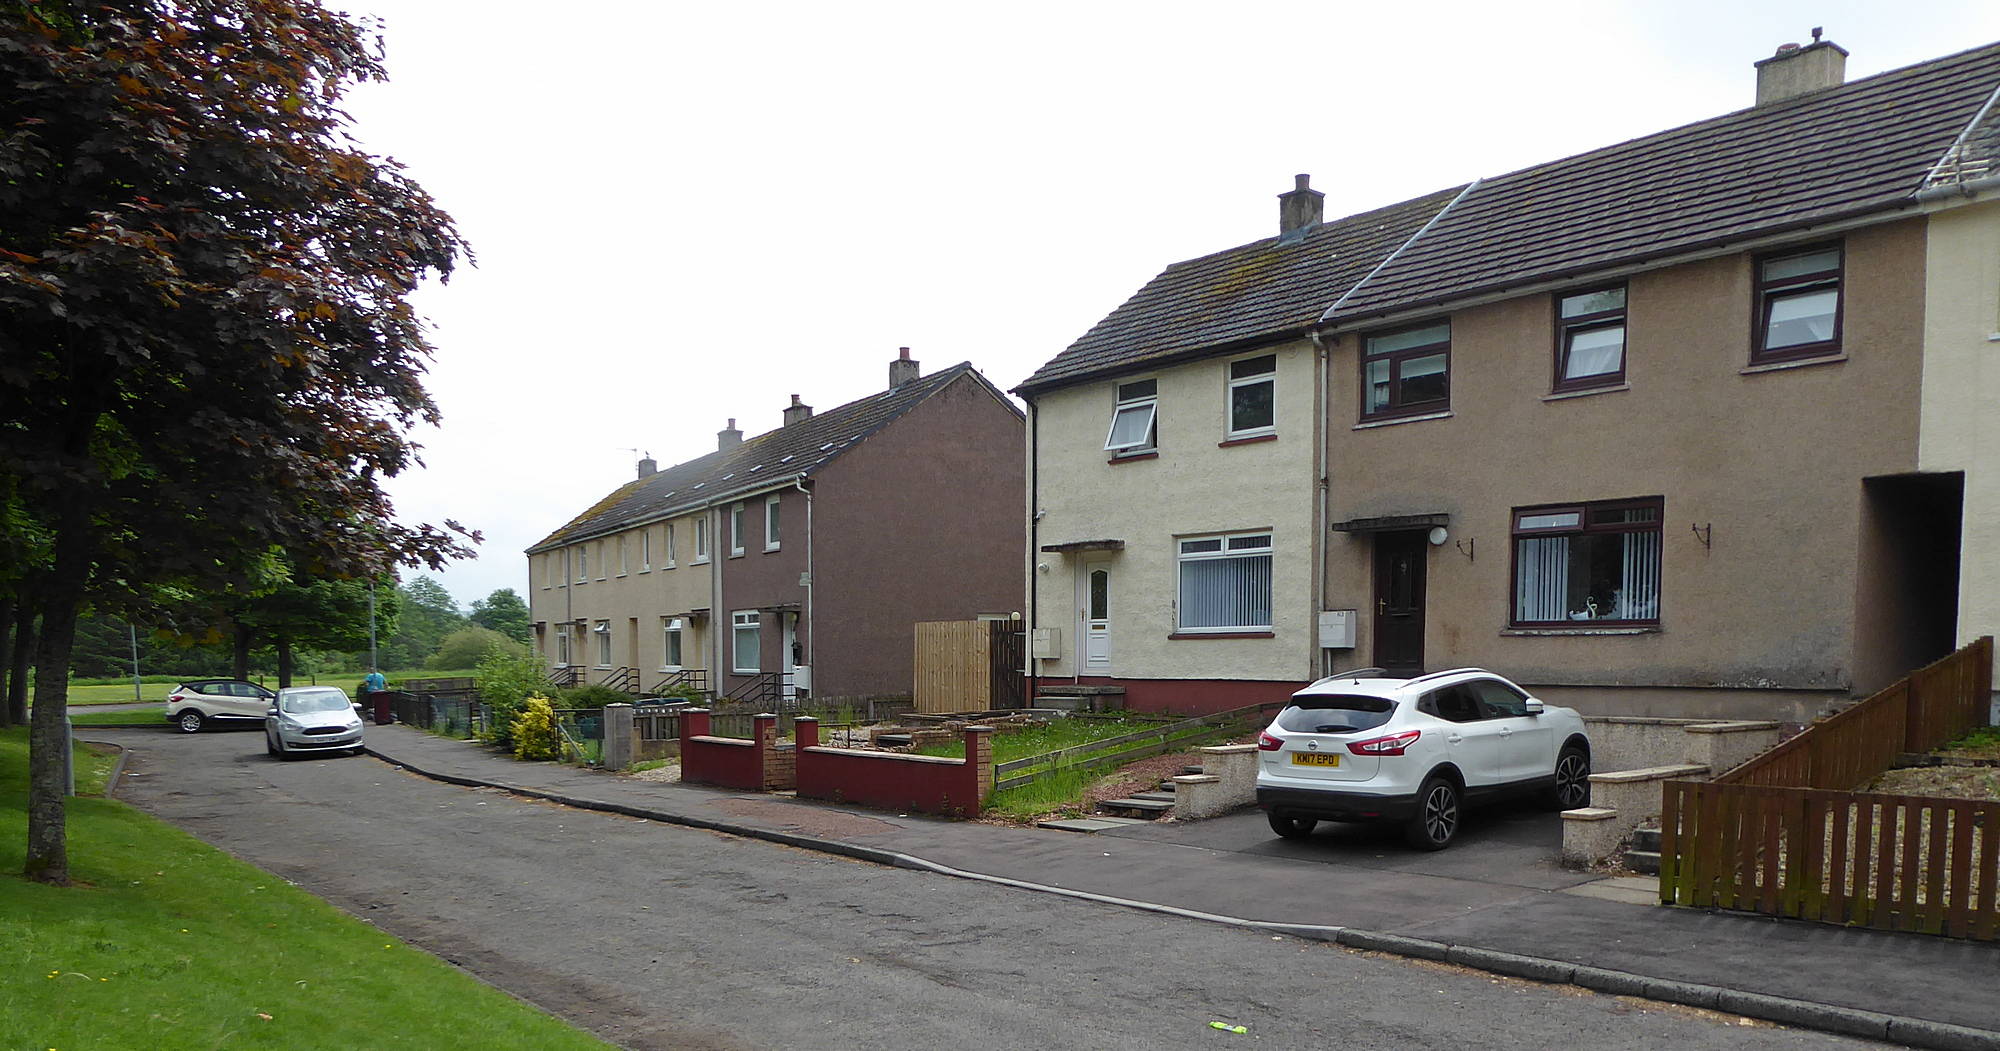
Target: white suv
x,y
197,702
1365,746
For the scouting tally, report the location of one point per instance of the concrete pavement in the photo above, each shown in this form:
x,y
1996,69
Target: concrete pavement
x,y
1493,901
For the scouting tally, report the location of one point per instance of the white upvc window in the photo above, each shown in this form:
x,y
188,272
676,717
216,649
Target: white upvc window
x,y
1225,583
735,529
670,643
602,629
746,642
646,550
582,563
701,540
1134,428
1253,389
771,522
562,647
623,566
667,553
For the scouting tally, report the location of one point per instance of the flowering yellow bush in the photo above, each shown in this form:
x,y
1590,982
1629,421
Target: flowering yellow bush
x,y
535,733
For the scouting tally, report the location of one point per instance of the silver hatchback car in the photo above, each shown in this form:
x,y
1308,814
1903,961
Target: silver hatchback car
x,y
312,719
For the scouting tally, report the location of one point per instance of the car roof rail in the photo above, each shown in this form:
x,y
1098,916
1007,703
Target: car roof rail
x,y
1451,671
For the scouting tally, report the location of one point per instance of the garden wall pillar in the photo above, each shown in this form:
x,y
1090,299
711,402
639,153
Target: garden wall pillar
x,y
694,723
979,765
618,733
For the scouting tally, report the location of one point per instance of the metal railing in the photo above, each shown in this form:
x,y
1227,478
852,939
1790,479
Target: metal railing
x,y
687,678
624,680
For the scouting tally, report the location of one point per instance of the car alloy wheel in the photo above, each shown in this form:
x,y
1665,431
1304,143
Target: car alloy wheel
x,y
1572,780
188,721
1435,823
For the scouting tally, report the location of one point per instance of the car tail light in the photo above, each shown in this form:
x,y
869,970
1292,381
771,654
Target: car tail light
x,y
1394,744
1267,743
174,697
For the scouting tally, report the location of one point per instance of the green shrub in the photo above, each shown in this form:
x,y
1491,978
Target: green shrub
x,y
681,691
472,645
504,682
592,695
534,730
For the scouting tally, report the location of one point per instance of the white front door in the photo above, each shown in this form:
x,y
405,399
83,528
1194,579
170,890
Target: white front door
x,y
1096,609
791,623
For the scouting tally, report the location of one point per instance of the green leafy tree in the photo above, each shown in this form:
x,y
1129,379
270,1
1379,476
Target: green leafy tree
x,y
428,614
505,682
207,349
504,612
469,645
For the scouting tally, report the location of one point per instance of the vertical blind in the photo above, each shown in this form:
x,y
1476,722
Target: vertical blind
x,y
1227,590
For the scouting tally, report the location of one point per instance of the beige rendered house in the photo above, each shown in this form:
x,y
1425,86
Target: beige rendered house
x,y
1700,423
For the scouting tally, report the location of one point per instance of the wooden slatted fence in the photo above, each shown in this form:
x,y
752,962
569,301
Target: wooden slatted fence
x,y
1783,835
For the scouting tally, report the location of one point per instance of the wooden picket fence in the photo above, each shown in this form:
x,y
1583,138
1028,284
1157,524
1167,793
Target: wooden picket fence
x,y
1783,834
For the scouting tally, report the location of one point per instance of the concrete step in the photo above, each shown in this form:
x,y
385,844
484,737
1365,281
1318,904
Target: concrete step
x,y
1164,795
1089,824
1646,839
894,740
1132,807
1646,861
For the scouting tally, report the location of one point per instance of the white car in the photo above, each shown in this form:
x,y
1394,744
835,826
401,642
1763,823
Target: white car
x,y
197,702
1366,746
312,719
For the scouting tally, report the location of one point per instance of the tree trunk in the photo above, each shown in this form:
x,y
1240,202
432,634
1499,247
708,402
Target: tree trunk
x,y
284,661
240,658
23,656
6,659
48,738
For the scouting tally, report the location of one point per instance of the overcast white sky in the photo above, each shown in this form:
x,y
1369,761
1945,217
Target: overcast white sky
x,y
685,212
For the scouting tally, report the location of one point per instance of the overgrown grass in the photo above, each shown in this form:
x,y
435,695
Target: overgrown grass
x,y
644,765
1054,737
1983,741
169,943
1056,790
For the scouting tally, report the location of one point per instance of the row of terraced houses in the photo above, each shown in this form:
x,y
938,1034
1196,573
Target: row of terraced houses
x,y
1702,423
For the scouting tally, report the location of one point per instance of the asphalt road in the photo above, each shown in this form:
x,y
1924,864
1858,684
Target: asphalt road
x,y
657,936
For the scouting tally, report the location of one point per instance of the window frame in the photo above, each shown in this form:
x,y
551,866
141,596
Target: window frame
x,y
772,525
701,544
1395,409
583,563
1567,329
736,517
624,560
1224,552
1767,292
562,648
602,629
646,550
1585,527
1230,384
1121,403
667,537
672,643
740,621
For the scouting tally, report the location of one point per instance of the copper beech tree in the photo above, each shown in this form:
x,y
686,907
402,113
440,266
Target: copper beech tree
x,y
207,349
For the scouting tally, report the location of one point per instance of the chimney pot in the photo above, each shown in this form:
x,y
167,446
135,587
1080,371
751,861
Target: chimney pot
x,y
729,437
1301,210
903,370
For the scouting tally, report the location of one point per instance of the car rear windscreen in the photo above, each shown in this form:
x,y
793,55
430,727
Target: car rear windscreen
x,y
1335,714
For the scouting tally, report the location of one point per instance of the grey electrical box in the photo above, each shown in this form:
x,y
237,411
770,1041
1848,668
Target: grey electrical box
x,y
1336,629
1048,644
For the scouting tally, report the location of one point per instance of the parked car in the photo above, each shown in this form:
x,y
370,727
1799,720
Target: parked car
x,y
312,719
1367,746
194,703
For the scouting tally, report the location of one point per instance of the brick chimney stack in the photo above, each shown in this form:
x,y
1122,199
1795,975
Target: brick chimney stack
x,y
729,437
903,370
1796,70
648,466
797,411
1301,210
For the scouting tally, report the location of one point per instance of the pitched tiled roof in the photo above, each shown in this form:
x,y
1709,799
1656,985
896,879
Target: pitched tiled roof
x,y
774,457
1246,294
1822,157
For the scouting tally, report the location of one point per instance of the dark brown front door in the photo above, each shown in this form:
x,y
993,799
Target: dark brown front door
x,y
1399,602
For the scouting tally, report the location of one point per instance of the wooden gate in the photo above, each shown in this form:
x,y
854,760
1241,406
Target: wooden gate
x,y
967,666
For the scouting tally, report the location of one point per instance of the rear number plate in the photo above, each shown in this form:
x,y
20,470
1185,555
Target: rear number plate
x,y
1315,759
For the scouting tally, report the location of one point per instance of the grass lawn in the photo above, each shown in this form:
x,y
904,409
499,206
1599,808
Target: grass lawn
x,y
167,943
118,693
86,717
1065,787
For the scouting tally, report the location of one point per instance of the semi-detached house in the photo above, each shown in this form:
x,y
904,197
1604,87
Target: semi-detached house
x,y
797,560
1699,423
